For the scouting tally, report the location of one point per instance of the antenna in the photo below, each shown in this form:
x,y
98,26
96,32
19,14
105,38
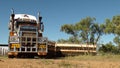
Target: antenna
x,y
38,14
12,10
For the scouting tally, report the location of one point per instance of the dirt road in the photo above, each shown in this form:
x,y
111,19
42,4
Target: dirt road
x,y
59,63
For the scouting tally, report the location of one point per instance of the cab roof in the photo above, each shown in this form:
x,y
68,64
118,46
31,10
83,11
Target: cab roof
x,y
25,16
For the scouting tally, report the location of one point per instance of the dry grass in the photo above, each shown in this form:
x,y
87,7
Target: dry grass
x,y
107,61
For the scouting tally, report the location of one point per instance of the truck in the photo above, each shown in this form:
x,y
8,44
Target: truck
x,y
26,36
26,40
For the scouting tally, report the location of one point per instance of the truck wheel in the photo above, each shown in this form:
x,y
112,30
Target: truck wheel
x,y
10,56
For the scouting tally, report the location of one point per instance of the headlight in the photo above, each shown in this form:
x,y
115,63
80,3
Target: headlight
x,y
14,39
44,39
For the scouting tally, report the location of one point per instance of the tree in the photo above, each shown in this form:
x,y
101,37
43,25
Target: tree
x,y
72,30
108,48
113,27
90,31
84,27
86,30
117,41
62,41
98,30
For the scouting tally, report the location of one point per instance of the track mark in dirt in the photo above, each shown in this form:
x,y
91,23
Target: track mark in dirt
x,y
1,60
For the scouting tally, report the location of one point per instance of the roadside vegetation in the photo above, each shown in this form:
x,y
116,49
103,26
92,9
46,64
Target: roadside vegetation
x,y
89,31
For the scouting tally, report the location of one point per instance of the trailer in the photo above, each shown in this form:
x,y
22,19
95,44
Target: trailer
x,y
75,49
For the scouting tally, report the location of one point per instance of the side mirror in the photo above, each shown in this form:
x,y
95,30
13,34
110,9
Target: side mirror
x,y
42,26
15,25
9,26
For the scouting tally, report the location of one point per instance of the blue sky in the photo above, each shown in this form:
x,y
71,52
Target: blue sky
x,y
58,12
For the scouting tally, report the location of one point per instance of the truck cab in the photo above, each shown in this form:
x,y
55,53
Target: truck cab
x,y
25,36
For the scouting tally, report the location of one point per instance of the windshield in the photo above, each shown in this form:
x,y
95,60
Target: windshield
x,y
28,28
24,23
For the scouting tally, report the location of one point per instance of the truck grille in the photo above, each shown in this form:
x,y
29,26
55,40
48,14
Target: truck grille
x,y
28,39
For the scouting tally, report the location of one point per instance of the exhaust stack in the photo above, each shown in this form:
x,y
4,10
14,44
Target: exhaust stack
x,y
40,24
12,20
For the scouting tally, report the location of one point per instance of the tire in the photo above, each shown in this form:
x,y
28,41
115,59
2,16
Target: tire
x,y
10,56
